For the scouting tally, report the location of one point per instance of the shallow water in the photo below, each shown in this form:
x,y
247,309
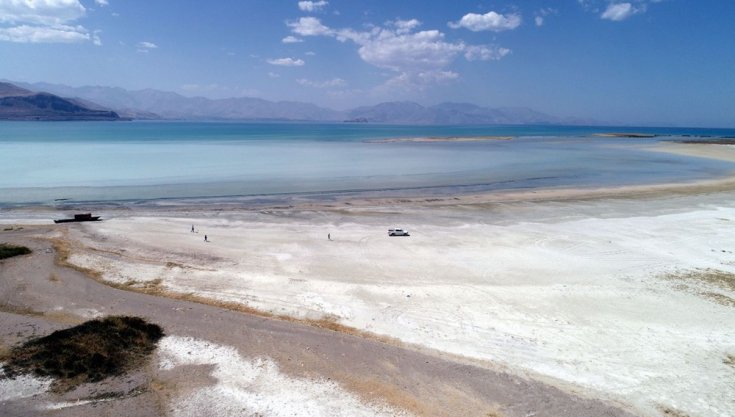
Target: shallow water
x,y
103,161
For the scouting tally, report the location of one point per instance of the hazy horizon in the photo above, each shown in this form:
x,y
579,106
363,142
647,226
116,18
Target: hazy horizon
x,y
636,62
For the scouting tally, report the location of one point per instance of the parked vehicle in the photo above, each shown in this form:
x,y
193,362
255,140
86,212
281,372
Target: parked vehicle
x,y
84,217
398,232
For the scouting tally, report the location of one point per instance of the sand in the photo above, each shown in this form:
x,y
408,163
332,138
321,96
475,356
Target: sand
x,y
219,362
255,386
551,290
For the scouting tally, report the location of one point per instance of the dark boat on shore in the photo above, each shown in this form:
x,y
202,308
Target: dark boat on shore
x,y
85,217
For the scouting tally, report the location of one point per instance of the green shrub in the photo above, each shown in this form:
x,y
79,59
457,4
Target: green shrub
x,y
89,352
8,251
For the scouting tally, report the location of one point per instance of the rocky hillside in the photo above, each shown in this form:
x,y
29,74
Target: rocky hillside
x,y
20,104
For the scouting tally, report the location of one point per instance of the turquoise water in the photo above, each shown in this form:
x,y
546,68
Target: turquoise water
x,y
103,161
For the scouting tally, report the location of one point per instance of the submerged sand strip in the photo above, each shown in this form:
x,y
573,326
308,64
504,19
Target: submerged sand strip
x,y
430,139
722,152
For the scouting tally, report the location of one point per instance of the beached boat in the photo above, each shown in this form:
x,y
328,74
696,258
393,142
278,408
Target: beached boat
x,y
85,217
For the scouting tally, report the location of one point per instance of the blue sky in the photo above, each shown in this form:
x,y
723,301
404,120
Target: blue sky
x,y
667,62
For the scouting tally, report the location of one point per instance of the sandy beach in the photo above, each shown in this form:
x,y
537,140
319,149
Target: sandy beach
x,y
623,295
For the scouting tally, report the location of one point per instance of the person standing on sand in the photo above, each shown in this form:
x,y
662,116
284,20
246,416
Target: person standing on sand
x,y
192,228
205,238
329,236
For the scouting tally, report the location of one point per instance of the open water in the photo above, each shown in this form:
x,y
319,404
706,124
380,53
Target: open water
x,y
48,162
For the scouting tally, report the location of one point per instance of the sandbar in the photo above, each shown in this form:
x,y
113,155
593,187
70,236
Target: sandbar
x,y
625,135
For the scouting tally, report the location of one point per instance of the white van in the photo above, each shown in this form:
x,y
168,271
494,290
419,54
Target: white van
x,y
398,232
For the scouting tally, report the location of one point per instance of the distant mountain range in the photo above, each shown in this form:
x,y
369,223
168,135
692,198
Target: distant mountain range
x,y
452,114
20,104
155,104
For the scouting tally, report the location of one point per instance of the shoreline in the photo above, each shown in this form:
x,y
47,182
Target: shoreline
x,y
553,285
346,200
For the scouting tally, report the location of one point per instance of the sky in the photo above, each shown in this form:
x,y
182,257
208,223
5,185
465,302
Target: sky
x,y
647,62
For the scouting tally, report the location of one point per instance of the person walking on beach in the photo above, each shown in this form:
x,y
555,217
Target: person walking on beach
x,y
205,238
329,236
192,228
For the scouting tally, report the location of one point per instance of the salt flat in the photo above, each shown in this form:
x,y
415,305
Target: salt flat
x,y
215,361
599,296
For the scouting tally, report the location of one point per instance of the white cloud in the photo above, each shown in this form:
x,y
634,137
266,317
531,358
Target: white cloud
x,y
45,12
44,21
312,6
423,50
286,62
584,3
414,58
617,10
274,75
541,14
344,35
45,34
309,53
416,81
429,77
493,21
145,47
335,82
485,53
309,26
291,39
405,26
96,38
102,3
620,11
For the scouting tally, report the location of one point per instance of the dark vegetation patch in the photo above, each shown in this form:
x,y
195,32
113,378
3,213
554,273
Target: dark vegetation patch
x,y
707,283
89,352
729,360
8,250
719,298
717,278
670,412
14,309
